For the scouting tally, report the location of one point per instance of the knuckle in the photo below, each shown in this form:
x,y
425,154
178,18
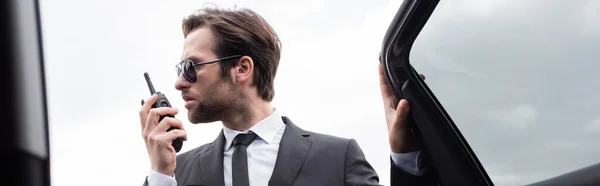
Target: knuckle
x,y
178,133
175,121
172,121
153,138
165,121
153,111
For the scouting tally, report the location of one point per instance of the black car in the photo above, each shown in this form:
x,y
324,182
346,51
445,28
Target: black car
x,y
447,154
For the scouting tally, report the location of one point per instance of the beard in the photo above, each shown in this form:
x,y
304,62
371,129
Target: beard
x,y
219,101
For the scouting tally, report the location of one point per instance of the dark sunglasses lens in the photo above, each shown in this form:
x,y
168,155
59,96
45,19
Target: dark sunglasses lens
x,y
189,72
178,69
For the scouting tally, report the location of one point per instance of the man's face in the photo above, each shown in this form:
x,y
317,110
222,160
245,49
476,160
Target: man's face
x,y
212,96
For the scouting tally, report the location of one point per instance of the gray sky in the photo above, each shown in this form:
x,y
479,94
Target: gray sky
x,y
517,77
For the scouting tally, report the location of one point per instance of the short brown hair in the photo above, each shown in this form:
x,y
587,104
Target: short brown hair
x,y
241,32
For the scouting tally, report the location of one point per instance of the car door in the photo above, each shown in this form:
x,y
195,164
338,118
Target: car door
x,y
24,135
447,154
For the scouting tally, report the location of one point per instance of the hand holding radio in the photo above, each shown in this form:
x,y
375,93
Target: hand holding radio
x,y
162,132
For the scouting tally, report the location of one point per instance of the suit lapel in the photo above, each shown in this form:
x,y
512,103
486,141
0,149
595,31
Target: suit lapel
x,y
209,165
293,149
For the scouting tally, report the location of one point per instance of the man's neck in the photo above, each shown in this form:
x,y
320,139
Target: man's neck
x,y
248,116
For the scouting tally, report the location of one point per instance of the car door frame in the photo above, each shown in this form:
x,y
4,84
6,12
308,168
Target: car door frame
x,y
444,149
25,154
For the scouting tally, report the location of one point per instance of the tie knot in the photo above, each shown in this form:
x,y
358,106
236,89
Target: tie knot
x,y
244,139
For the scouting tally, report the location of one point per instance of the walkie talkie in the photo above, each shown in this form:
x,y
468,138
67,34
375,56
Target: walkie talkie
x,y
162,102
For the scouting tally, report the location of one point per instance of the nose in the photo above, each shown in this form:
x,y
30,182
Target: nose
x,y
181,83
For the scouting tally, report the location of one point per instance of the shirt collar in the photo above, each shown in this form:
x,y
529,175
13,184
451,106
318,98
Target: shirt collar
x,y
266,129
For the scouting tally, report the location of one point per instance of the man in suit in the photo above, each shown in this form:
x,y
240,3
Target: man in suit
x,y
228,66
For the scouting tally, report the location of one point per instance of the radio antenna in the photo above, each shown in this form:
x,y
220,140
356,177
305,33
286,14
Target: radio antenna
x,y
150,86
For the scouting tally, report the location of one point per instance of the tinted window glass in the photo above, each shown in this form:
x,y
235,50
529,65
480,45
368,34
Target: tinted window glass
x,y
520,79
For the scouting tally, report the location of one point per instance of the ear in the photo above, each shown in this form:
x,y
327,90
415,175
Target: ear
x,y
243,70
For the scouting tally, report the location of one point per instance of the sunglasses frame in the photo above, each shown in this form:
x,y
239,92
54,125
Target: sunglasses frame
x,y
183,67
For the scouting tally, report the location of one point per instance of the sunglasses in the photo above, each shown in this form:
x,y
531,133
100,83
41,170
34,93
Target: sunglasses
x,y
187,67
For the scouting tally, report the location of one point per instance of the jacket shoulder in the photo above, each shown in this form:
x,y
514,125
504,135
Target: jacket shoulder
x,y
328,142
319,139
327,138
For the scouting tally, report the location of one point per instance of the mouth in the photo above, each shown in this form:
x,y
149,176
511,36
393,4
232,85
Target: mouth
x,y
187,98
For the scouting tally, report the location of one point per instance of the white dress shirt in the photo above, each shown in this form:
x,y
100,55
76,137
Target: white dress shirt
x,y
262,154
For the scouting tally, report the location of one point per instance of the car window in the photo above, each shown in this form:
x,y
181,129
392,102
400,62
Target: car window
x,y
520,80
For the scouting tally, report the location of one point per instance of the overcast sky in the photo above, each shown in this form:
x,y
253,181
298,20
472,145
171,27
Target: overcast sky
x,y
518,78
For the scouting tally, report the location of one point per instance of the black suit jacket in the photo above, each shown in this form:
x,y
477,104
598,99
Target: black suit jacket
x,y
304,159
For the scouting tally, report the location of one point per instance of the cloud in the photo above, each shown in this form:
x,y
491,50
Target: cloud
x,y
446,64
561,144
591,19
520,116
592,126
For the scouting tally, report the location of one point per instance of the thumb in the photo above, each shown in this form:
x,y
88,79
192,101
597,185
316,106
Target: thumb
x,y
401,114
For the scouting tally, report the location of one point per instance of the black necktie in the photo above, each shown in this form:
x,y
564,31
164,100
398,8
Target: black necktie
x,y
240,159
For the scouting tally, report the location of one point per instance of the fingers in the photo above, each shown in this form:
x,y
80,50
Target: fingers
x,y
386,91
389,99
382,81
165,139
154,116
174,134
146,106
167,123
160,135
402,113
